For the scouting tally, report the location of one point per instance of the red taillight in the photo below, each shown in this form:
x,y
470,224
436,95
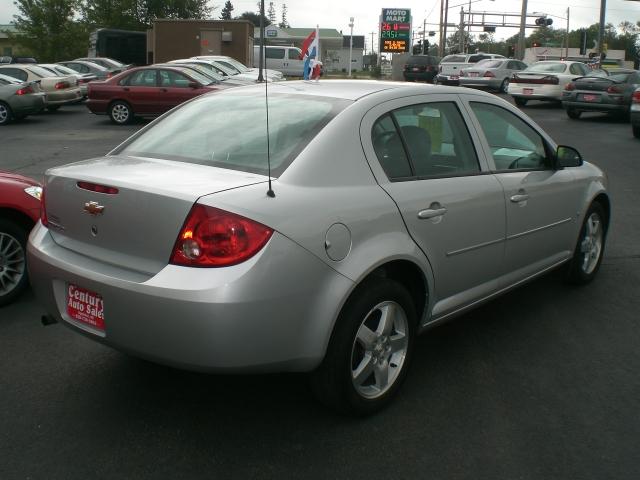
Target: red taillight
x,y
570,86
24,91
614,89
43,208
489,74
215,238
94,187
636,97
62,85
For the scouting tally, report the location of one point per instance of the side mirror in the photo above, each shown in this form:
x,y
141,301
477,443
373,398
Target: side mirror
x,y
567,157
194,85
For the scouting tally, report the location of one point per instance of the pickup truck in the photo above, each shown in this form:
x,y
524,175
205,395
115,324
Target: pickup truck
x,y
450,66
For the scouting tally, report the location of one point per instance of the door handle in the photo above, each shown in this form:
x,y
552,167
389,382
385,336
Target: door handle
x,y
431,212
521,197
126,89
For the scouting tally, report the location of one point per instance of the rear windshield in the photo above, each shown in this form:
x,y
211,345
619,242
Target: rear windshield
x,y
228,130
453,58
41,72
547,67
486,63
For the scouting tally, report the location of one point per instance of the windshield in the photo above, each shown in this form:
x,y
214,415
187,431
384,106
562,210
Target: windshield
x,y
196,75
228,131
235,63
547,67
64,70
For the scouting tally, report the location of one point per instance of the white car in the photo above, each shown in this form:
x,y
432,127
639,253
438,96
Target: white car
x,y
233,73
544,80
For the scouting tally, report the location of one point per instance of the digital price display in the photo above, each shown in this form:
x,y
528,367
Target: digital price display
x,y
395,30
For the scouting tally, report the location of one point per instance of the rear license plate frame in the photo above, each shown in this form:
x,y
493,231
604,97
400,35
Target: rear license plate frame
x,y
85,307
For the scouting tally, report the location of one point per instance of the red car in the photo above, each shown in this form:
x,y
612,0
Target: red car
x,y
147,92
19,211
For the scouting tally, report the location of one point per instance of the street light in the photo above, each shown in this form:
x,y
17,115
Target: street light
x,y
350,43
566,37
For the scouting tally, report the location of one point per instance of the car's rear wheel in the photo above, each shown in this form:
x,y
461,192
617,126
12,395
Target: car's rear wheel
x,y
573,114
370,349
5,114
120,113
521,102
589,249
504,86
13,260
636,131
53,108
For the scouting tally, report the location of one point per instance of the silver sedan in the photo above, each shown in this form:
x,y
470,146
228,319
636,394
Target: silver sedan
x,y
492,74
365,213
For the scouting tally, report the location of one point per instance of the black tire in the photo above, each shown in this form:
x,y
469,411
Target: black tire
x,y
573,114
13,276
120,112
587,255
6,115
521,102
636,130
53,108
333,382
504,86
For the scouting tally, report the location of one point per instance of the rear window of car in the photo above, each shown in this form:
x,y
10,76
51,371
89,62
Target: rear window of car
x,y
41,72
547,67
486,63
453,58
228,130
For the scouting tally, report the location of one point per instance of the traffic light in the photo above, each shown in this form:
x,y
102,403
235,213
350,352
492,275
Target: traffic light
x,y
544,21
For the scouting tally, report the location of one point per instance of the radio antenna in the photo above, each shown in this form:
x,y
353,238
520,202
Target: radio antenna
x,y
270,192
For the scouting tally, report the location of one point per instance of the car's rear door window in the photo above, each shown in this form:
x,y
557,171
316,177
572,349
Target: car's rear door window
x,y
514,144
142,78
432,136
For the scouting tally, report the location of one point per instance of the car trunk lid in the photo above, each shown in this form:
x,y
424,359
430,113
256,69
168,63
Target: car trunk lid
x,y
594,84
127,211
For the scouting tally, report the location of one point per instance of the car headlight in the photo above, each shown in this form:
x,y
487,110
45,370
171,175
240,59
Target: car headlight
x,y
35,192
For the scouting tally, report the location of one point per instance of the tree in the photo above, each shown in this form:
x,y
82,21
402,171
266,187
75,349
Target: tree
x,y
225,14
284,23
253,18
122,14
48,29
271,13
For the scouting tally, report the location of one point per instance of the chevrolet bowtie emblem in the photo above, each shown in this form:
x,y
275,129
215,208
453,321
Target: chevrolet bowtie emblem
x,y
93,208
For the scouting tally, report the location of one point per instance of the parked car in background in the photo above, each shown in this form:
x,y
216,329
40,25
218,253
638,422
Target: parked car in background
x,y
82,78
109,63
493,74
59,89
230,72
210,69
82,66
544,80
284,59
372,211
451,65
234,65
16,59
635,113
19,99
146,92
19,211
611,94
423,68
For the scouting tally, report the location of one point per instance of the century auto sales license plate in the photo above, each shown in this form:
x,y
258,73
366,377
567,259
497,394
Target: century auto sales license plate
x,y
589,98
473,74
527,91
85,306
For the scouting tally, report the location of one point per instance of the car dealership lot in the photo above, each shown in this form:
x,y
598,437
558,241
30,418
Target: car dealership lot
x,y
541,383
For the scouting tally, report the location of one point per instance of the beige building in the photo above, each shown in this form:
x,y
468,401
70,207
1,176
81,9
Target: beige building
x,y
9,47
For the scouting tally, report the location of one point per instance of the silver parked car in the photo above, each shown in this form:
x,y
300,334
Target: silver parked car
x,y
493,74
392,207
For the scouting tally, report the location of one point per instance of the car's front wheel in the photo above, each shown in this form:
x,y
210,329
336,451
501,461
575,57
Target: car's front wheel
x,y
573,114
370,349
120,113
5,114
504,86
589,249
13,260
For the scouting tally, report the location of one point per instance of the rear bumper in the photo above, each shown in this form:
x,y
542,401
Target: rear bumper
x,y
481,82
448,80
28,104
538,92
634,117
62,97
274,312
422,76
99,107
595,107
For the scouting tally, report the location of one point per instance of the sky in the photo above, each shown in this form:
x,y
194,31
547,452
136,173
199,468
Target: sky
x,y
336,13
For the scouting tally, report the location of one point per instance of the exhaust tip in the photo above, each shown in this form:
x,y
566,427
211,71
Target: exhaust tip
x,y
47,320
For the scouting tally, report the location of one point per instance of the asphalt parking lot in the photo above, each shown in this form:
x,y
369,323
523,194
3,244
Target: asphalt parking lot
x,y
541,383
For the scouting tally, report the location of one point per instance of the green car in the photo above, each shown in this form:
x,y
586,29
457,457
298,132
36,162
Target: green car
x,y
19,99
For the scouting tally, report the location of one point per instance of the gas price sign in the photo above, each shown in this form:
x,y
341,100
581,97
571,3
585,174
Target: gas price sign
x,y
395,30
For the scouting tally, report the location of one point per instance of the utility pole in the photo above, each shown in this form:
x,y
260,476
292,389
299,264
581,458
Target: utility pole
x,y
261,49
441,41
424,33
372,49
603,7
461,31
566,57
444,27
523,23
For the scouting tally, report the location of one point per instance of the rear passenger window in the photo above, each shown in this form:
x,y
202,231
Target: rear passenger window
x,y
513,143
433,138
277,53
142,78
169,78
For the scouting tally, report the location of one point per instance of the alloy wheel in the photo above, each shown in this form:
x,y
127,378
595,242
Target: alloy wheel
x,y
591,245
12,263
4,114
120,113
379,349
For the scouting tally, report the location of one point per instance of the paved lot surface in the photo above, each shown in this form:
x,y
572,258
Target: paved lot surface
x,y
542,383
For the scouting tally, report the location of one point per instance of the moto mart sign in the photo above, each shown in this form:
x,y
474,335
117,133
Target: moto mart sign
x,y
395,30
